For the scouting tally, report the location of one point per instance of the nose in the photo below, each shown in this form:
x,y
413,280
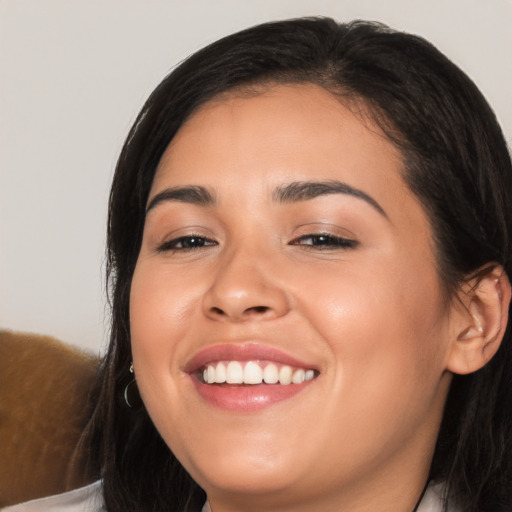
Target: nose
x,y
243,289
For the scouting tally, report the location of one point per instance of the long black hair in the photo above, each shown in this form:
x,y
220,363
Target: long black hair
x,y
457,164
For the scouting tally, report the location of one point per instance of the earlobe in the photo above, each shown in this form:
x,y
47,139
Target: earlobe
x,y
480,321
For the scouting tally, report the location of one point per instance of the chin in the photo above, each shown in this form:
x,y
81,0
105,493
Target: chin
x,y
246,471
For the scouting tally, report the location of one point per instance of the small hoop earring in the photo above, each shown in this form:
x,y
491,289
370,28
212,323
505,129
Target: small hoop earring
x,y
131,393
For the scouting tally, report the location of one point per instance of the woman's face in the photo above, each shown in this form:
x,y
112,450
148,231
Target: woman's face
x,y
281,243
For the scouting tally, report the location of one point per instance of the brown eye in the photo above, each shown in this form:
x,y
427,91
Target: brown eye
x,y
186,243
325,241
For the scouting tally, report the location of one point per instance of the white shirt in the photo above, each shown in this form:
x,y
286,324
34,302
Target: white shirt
x,y
84,499
90,499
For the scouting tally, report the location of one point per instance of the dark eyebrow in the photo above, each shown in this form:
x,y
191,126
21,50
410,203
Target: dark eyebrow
x,y
306,190
193,194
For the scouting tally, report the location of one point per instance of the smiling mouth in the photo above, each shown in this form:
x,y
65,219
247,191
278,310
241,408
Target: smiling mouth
x,y
247,378
253,373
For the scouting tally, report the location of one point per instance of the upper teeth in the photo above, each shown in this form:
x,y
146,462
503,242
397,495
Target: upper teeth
x,y
254,372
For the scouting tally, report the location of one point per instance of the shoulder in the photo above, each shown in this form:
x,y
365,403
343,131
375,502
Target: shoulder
x,y
84,499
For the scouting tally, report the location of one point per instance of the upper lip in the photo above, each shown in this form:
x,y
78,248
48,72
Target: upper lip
x,y
242,352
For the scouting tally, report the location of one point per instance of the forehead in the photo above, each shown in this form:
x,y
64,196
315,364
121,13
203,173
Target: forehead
x,y
282,131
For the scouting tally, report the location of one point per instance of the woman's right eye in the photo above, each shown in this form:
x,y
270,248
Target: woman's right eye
x,y
186,243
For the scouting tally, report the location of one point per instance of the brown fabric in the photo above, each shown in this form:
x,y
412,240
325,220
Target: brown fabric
x,y
45,404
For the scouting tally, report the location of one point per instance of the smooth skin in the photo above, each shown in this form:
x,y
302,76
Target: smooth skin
x,y
345,282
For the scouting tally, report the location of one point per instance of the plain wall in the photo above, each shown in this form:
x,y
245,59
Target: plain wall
x,y
73,75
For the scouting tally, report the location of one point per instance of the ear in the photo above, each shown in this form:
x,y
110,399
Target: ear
x,y
479,320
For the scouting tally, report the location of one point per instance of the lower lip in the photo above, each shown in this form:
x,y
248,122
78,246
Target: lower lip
x,y
246,398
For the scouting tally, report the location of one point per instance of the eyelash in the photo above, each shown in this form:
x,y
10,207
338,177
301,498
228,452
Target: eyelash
x,y
320,241
172,245
325,241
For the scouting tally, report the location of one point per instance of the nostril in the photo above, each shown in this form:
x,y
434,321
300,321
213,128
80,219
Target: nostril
x,y
257,309
250,312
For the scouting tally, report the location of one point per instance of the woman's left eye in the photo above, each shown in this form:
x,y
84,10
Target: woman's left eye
x,y
186,243
325,241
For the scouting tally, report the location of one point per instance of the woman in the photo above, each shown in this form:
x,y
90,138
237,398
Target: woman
x,y
308,248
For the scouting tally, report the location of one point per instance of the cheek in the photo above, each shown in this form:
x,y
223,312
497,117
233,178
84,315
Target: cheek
x,y
161,306
156,322
385,333
384,326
